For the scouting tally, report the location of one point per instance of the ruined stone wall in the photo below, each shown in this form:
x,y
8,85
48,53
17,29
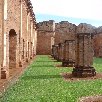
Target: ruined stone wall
x,y
85,28
97,42
64,31
46,30
12,22
18,30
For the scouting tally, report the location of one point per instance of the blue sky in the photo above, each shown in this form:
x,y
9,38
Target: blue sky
x,y
74,11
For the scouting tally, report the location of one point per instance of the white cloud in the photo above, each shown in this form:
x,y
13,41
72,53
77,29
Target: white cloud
x,y
88,9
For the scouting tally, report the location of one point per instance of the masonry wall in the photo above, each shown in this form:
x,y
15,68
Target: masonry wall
x,y
19,29
46,31
97,43
12,22
64,31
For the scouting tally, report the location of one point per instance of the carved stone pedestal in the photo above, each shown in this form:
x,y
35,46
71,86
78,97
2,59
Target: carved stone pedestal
x,y
83,71
4,74
31,57
27,60
20,64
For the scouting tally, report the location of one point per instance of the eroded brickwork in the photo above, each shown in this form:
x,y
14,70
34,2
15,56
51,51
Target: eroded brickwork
x,y
19,34
64,31
84,55
46,31
97,42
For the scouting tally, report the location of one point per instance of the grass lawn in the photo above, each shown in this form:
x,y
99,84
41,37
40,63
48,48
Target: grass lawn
x,y
42,82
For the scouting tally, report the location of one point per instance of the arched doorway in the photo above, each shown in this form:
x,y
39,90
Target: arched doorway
x,y
12,48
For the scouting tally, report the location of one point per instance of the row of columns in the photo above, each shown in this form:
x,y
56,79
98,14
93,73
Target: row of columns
x,y
76,53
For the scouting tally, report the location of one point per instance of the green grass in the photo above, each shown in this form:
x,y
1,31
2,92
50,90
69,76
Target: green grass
x,y
42,82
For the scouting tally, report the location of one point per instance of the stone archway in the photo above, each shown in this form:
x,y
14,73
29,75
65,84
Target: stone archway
x,y
12,48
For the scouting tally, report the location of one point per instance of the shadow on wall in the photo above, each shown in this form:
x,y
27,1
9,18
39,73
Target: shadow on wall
x,y
41,77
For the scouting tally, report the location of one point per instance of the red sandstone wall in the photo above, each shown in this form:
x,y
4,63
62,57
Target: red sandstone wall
x,y
15,23
44,43
12,22
45,33
64,31
97,42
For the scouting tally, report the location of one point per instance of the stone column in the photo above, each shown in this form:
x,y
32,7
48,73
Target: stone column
x,y
84,56
69,53
100,52
52,50
1,36
55,52
60,51
20,37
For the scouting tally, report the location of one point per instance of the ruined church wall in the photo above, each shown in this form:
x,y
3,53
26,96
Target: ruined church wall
x,y
64,31
46,31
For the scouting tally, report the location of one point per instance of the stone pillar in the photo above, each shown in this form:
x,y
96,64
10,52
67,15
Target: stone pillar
x,y
52,50
84,56
1,36
60,51
69,53
28,14
20,37
55,52
100,52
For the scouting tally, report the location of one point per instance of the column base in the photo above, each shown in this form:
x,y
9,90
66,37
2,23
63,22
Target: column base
x,y
82,71
27,60
68,63
4,74
31,57
20,64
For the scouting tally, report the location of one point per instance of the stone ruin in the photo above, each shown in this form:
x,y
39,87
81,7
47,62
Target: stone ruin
x,y
97,42
45,37
79,51
69,53
83,56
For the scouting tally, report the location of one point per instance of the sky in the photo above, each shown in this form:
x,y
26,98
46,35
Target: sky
x,y
74,11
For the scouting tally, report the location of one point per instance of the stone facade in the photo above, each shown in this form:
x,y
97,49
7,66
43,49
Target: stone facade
x,y
45,37
64,31
18,34
85,28
97,42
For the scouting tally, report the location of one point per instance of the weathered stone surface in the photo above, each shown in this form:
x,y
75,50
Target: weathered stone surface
x,y
85,28
45,35
84,55
64,31
17,34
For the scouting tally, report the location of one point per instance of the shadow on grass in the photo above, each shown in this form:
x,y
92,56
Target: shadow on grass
x,y
41,77
43,61
42,66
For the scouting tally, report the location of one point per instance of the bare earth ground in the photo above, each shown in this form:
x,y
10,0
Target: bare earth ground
x,y
69,77
14,74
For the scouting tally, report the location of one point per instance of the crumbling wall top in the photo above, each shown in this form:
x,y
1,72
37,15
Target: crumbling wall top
x,y
85,28
99,30
48,26
65,26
